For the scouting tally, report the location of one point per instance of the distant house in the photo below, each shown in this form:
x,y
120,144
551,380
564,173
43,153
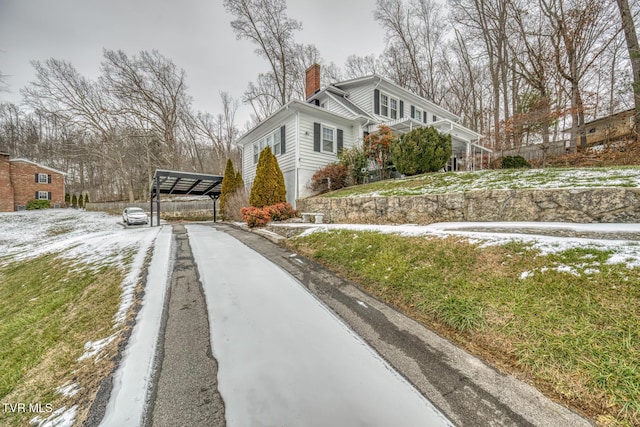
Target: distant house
x,y
23,180
609,128
307,135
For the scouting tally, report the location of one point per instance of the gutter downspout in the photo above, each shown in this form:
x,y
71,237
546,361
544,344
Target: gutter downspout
x,y
297,162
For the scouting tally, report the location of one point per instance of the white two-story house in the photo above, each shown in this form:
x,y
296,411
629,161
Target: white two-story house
x,y
307,135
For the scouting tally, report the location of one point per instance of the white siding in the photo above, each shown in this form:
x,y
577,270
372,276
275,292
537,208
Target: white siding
x,y
362,96
304,175
286,161
312,160
337,108
290,184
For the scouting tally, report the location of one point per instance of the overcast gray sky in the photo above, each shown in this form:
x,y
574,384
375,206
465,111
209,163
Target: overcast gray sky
x,y
195,34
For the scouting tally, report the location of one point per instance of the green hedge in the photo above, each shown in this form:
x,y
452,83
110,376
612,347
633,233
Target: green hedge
x,y
38,204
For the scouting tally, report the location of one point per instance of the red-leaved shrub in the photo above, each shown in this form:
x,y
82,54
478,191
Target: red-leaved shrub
x,y
260,217
281,211
255,217
330,177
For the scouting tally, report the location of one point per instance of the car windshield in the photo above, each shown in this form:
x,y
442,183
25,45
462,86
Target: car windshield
x,y
135,210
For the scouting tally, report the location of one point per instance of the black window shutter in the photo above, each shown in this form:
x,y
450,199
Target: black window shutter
x,y
401,108
36,177
49,195
316,137
340,141
413,112
36,195
376,101
424,115
282,144
49,179
317,102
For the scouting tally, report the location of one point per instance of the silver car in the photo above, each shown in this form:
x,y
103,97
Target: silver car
x,y
134,216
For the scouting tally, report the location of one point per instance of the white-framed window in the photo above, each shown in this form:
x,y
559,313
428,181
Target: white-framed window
x,y
418,114
328,139
393,108
43,195
276,145
384,105
43,178
435,118
272,140
389,106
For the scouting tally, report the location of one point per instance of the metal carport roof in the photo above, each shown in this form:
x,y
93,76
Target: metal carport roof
x,y
184,184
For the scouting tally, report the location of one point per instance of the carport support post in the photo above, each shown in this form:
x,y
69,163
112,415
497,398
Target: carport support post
x,y
214,198
158,197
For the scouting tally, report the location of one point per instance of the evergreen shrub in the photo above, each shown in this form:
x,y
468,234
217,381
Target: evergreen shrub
x,y
268,186
421,150
514,162
38,204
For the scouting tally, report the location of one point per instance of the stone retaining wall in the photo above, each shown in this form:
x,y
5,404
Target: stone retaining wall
x,y
583,205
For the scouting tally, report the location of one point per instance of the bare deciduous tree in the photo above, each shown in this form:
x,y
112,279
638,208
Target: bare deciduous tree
x,y
150,88
580,33
633,47
265,23
360,66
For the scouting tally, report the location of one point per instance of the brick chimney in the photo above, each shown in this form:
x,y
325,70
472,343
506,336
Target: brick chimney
x,y
312,81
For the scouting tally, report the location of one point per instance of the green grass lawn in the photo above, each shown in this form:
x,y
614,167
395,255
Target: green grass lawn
x,y
569,323
457,182
50,307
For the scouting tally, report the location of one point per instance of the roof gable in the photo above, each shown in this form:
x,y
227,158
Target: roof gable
x,y
284,112
38,165
385,83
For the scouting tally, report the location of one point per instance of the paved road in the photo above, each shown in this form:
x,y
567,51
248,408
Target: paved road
x,y
247,313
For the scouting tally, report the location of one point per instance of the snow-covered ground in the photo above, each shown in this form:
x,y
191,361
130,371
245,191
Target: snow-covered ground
x,y
498,233
459,182
90,237
132,380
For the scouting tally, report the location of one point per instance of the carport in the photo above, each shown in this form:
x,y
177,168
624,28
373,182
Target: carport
x,y
184,184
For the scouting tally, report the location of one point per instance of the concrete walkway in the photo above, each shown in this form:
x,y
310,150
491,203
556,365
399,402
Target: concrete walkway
x,y
466,390
284,359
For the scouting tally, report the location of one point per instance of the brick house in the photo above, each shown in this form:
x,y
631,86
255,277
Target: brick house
x,y
22,180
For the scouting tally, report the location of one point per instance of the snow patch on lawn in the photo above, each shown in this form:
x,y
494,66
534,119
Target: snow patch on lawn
x,y
92,348
92,238
62,417
69,389
487,234
460,182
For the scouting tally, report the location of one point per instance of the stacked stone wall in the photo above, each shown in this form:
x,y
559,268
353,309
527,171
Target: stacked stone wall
x,y
588,205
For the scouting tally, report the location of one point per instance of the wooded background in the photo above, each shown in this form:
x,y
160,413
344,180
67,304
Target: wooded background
x,y
516,71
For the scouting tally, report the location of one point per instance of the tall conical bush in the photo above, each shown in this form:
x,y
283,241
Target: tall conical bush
x,y
268,186
228,185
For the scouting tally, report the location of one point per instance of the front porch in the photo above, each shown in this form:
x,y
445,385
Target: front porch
x,y
465,154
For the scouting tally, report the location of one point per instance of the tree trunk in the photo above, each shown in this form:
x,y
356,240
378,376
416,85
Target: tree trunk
x,y
634,53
